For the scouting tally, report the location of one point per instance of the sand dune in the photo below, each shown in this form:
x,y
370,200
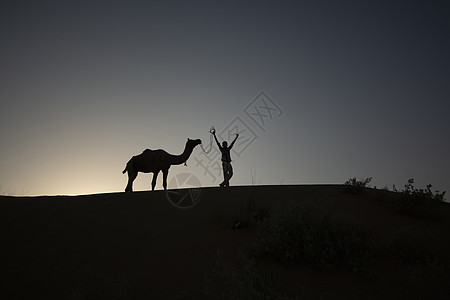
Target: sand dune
x,y
55,247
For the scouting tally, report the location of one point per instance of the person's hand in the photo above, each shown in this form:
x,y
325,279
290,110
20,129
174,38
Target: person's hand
x,y
237,135
213,131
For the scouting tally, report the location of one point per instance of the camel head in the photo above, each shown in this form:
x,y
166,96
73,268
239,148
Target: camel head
x,y
193,143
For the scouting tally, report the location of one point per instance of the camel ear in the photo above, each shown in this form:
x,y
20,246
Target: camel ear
x,y
189,139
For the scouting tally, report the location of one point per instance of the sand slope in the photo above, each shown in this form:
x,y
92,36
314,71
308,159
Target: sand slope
x,y
49,244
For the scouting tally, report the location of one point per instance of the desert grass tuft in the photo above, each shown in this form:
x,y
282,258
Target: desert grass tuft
x,y
305,234
246,280
355,186
417,202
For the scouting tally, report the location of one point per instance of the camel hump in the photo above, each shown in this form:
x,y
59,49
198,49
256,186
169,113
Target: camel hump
x,y
147,151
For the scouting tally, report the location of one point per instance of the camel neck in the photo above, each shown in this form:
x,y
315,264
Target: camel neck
x,y
182,158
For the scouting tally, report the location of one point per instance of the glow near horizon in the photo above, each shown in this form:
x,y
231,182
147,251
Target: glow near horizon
x,y
83,90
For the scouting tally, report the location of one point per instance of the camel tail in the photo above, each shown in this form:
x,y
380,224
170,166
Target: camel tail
x,y
129,165
126,168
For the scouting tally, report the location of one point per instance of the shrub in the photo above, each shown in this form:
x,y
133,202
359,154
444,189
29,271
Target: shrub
x,y
417,202
355,186
247,281
304,234
250,213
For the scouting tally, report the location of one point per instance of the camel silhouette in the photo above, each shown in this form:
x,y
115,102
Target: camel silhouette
x,y
155,161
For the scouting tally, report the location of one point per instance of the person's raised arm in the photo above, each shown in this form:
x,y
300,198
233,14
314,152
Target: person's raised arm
x,y
217,141
232,143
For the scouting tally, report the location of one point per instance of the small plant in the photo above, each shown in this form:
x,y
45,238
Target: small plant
x,y
245,280
355,186
305,234
417,202
251,213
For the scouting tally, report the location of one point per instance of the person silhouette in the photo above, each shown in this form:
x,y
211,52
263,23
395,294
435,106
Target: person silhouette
x,y
226,158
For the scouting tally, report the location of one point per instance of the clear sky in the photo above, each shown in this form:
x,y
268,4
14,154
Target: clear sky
x,y
321,91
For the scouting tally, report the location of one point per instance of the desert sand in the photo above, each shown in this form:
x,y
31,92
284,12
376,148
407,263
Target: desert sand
x,y
71,247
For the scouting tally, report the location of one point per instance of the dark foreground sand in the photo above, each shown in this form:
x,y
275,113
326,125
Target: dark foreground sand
x,y
55,247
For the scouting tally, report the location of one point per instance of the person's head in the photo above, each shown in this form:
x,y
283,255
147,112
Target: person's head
x,y
224,144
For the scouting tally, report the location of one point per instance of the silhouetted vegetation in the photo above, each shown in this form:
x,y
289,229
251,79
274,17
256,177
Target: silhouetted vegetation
x,y
249,214
248,281
409,201
416,202
304,234
356,186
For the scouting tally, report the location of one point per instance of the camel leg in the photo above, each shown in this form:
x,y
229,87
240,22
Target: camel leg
x,y
155,176
131,177
165,173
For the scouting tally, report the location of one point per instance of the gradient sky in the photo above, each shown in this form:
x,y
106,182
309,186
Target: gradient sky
x,y
363,89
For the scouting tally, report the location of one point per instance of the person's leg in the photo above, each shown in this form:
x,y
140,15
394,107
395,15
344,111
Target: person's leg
x,y
224,169
229,173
